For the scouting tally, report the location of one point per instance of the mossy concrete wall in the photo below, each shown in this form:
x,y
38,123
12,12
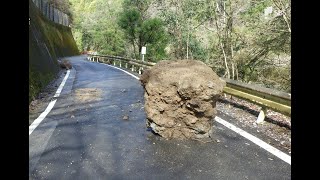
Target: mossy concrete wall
x,y
48,42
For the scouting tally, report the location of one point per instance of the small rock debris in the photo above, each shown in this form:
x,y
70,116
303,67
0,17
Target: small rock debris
x,y
125,117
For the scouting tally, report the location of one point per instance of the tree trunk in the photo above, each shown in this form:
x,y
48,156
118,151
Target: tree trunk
x,y
140,47
287,22
232,66
281,8
225,61
237,72
224,12
134,48
188,44
232,60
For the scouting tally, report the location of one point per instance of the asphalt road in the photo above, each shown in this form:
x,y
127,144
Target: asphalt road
x,y
86,136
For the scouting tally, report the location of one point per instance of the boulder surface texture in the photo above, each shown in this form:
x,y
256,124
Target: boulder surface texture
x,y
180,98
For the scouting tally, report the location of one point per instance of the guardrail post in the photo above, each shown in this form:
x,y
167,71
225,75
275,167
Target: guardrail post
x,y
139,70
262,115
120,63
126,65
114,63
132,68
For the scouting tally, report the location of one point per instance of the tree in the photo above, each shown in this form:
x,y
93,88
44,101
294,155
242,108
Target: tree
x,y
142,31
130,22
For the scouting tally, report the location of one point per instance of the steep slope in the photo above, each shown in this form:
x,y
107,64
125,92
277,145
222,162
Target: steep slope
x,y
48,41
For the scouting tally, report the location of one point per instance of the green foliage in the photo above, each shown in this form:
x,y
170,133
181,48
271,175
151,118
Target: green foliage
x,y
95,26
140,6
78,38
197,51
153,35
130,22
143,32
152,31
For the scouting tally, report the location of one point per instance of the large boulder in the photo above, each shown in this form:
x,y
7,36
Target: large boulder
x,y
180,98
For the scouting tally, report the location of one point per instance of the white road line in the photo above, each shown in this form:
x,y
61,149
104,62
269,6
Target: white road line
x,y
41,117
243,133
62,84
36,122
123,71
256,140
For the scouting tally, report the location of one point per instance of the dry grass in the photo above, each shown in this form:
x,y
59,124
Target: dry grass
x,y
88,94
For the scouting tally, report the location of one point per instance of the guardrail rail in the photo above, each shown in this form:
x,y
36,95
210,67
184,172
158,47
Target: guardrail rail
x,y
134,65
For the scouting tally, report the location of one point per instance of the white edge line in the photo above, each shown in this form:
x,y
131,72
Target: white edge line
x,y
62,84
121,70
41,117
256,140
36,122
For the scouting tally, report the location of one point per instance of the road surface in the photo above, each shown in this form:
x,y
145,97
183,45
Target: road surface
x,y
87,135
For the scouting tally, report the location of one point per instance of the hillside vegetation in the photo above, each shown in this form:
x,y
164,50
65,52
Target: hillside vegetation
x,y
245,40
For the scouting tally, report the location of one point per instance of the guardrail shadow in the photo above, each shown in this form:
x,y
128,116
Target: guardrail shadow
x,y
254,112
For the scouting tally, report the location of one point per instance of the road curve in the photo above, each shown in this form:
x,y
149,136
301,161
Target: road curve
x,y
96,130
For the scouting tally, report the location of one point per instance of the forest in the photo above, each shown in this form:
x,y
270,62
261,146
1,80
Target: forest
x,y
244,40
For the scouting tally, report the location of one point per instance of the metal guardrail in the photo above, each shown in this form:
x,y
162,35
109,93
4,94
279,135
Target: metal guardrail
x,y
133,64
265,97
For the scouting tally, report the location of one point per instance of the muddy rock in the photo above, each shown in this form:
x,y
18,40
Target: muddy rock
x,y
65,64
180,98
